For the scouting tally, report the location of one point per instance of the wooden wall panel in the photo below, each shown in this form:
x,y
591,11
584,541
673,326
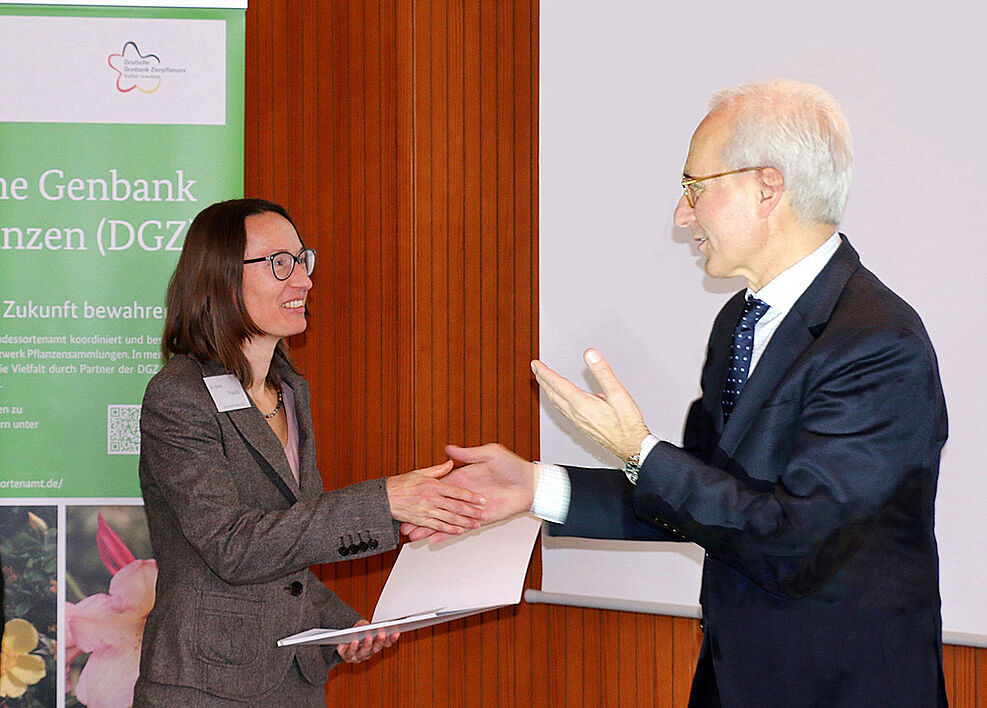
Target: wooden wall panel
x,y
402,135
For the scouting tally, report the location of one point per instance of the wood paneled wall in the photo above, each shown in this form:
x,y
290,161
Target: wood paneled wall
x,y
402,136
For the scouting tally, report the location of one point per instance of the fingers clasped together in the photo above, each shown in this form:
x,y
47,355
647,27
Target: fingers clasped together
x,y
424,499
494,483
504,480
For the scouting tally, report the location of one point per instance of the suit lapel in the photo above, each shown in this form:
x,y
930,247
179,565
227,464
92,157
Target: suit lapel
x,y
721,340
802,325
257,434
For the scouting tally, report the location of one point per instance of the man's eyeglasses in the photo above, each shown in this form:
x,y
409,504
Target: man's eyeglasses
x,y
688,182
283,263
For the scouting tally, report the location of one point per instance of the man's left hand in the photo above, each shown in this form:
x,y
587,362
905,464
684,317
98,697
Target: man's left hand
x,y
612,418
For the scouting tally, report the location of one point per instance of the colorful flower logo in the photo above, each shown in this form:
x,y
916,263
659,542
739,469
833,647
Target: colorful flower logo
x,y
135,70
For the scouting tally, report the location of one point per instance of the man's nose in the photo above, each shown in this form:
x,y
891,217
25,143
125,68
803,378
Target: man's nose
x,y
684,214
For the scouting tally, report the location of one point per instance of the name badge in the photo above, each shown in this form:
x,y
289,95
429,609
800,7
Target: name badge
x,y
227,392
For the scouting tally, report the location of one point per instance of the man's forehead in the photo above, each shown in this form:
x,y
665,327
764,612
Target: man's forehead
x,y
707,144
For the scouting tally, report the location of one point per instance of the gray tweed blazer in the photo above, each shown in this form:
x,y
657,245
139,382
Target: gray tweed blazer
x,y
232,549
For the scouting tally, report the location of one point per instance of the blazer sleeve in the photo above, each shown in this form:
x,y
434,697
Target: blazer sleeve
x,y
866,432
197,468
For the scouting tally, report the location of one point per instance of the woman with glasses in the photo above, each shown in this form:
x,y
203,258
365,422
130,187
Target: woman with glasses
x,y
235,504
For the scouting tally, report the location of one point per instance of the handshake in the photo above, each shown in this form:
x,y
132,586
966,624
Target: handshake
x,y
494,483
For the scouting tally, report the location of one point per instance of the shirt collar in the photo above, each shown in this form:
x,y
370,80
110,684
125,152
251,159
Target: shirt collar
x,y
787,287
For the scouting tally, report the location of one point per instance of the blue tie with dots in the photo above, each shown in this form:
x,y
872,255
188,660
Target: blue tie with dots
x,y
740,353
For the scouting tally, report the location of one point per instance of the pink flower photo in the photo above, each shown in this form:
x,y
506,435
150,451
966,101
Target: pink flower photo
x,y
115,592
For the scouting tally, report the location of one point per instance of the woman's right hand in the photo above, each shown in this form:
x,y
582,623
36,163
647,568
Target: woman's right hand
x,y
506,480
421,498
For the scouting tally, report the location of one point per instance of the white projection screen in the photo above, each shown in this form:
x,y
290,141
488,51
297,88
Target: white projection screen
x,y
623,85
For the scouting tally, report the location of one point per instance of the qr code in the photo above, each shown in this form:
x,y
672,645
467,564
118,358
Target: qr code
x,y
123,434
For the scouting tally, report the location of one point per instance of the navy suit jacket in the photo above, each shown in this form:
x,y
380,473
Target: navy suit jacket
x,y
814,503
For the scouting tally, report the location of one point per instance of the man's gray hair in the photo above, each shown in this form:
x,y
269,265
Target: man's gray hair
x,y
798,129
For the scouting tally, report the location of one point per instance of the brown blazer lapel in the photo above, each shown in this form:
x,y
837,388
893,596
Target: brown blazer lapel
x,y
257,434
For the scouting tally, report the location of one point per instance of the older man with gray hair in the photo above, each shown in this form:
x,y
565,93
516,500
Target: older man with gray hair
x,y
809,465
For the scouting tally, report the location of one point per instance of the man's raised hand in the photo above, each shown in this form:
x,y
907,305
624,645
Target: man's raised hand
x,y
611,418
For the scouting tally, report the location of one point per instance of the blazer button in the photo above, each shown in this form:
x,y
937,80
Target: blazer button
x,y
344,551
295,588
364,546
354,548
373,544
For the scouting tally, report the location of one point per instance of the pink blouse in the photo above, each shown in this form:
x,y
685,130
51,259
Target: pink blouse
x,y
291,447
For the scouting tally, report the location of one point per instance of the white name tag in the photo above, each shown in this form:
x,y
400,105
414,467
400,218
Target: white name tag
x,y
227,392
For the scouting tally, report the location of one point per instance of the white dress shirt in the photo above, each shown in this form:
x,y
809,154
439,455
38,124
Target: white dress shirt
x,y
553,491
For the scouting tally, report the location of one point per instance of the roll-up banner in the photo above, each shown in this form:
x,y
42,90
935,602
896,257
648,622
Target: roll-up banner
x,y
117,126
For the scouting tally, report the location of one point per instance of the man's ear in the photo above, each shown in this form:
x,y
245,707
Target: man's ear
x,y
771,183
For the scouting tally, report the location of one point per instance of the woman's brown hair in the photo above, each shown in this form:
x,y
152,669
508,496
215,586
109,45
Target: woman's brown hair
x,y
206,316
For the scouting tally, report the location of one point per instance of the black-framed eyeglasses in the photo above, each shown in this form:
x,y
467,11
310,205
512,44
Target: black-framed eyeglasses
x,y
688,182
283,262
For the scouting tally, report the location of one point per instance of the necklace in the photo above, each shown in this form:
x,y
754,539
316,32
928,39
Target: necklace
x,y
276,408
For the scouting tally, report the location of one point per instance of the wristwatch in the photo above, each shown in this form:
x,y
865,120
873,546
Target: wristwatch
x,y
632,466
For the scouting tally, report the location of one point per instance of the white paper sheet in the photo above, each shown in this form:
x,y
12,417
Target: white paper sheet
x,y
478,571
405,624
482,568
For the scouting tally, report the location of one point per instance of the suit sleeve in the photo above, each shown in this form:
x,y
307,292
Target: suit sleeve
x,y
602,501
184,468
867,431
602,506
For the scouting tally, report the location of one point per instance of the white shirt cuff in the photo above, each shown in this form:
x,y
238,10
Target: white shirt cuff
x,y
552,494
647,445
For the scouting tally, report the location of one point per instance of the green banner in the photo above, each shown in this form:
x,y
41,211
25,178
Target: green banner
x,y
114,133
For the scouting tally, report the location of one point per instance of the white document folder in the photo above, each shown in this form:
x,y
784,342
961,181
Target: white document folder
x,y
472,573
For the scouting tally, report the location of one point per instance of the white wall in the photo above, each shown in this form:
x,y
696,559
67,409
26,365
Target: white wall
x,y
623,85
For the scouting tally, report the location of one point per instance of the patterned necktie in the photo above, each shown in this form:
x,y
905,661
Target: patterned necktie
x,y
740,353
